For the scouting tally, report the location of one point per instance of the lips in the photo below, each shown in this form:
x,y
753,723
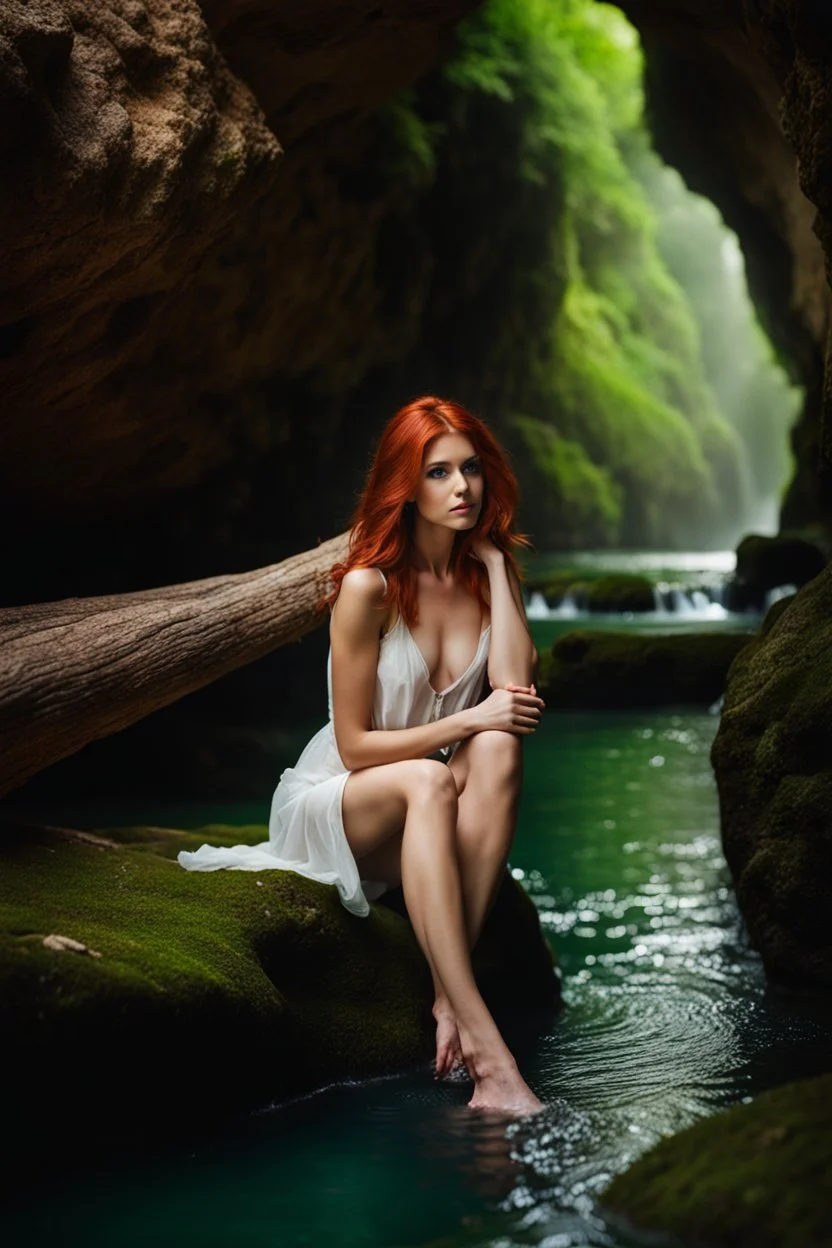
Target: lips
x,y
463,507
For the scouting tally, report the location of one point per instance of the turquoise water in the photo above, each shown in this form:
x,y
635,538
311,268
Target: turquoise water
x,y
667,1019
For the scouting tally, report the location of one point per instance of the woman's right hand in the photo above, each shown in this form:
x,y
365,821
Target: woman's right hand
x,y
514,709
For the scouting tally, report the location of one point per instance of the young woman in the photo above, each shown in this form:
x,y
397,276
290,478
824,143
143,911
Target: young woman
x,y
414,779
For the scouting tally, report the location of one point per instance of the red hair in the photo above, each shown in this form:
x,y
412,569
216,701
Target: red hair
x,y
381,532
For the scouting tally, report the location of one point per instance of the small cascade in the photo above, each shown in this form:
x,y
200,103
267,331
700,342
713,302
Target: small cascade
x,y
695,602
673,602
687,587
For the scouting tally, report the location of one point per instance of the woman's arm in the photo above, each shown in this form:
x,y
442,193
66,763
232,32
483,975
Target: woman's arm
x,y
354,629
512,656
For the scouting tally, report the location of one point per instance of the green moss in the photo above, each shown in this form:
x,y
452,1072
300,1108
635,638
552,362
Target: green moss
x,y
574,495
263,974
772,758
593,669
755,1176
621,593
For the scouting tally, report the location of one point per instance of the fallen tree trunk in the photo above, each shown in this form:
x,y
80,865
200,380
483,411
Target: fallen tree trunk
x,y
83,668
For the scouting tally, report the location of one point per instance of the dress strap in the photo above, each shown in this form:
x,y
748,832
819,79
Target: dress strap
x,y
383,577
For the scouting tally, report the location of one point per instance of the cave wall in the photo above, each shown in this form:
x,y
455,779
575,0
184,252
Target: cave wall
x,y
738,100
194,209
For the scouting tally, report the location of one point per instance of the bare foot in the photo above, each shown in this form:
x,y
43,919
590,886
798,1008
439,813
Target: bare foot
x,y
448,1046
505,1090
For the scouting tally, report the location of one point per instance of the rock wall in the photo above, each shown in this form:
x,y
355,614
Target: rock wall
x,y
168,279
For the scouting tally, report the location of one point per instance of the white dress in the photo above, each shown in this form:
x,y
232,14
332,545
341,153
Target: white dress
x,y
306,829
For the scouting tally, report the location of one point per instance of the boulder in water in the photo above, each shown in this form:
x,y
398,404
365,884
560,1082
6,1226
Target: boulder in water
x,y
214,992
621,592
751,1177
591,669
766,563
772,757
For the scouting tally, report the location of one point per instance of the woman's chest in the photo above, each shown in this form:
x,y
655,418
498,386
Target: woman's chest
x,y
445,639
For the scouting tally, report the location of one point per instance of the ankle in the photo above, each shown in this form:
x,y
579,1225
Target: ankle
x,y
486,1060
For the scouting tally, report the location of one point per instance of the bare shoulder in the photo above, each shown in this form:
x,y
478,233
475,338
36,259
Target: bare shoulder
x,y
359,606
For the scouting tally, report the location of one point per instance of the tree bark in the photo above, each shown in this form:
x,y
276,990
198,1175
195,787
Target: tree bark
x,y
82,668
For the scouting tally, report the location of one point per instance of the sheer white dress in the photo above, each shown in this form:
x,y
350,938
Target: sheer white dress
x,y
306,828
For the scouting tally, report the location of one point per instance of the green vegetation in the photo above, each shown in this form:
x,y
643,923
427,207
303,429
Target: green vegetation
x,y
621,592
752,1177
554,309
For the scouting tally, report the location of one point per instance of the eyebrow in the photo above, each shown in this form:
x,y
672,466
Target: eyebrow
x,y
445,463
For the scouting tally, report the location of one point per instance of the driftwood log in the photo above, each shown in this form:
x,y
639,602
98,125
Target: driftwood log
x,y
82,668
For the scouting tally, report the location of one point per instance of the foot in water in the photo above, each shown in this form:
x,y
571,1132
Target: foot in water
x,y
506,1091
448,1045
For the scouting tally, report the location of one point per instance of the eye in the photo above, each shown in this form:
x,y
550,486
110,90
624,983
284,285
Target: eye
x,y
472,467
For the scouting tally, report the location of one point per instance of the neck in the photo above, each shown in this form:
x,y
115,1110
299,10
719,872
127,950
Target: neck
x,y
432,552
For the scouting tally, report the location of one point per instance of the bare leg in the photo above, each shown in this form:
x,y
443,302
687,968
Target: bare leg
x,y
432,889
385,864
488,769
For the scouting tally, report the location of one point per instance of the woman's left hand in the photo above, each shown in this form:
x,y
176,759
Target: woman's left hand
x,y
523,689
485,550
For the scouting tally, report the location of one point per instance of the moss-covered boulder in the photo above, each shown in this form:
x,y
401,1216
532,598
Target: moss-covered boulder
x,y
765,563
622,592
589,668
756,1176
772,757
134,990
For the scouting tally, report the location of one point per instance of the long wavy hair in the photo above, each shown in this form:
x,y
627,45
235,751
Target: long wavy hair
x,y
381,531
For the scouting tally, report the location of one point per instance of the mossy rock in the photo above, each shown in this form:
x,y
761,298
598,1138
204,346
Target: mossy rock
x,y
765,563
593,669
622,592
755,1176
213,991
772,758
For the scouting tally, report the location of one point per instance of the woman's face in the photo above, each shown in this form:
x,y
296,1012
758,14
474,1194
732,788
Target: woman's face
x,y
451,475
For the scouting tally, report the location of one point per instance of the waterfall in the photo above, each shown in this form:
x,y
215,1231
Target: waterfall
x,y
704,595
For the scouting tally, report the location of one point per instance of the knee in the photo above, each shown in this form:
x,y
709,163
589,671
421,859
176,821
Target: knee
x,y
498,758
432,782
